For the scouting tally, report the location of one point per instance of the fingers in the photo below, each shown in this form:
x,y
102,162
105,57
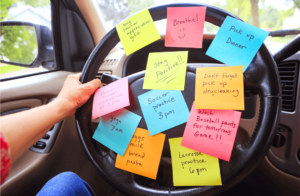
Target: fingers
x,y
92,85
96,83
76,76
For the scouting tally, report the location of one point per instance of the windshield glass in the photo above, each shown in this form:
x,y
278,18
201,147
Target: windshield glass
x,y
269,15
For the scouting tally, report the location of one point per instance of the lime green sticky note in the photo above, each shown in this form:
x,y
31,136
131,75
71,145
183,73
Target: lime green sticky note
x,y
192,168
137,32
166,71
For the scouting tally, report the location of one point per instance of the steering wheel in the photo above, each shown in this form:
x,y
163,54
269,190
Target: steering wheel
x,y
261,78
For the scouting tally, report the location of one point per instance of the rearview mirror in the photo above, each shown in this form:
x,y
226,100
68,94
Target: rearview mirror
x,y
26,44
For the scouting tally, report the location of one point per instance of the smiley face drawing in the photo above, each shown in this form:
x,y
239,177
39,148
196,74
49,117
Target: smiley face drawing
x,y
181,33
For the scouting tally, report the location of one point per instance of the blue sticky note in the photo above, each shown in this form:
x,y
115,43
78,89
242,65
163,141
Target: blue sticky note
x,y
236,43
116,129
163,109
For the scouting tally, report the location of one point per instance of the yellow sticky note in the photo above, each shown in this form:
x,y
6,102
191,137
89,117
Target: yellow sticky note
x,y
137,32
166,71
220,88
143,154
192,168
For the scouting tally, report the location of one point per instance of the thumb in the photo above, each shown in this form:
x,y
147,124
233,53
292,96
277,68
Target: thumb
x,y
92,85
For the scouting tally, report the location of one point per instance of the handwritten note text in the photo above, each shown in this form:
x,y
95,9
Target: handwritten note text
x,y
143,154
110,98
192,168
166,71
211,132
185,27
115,130
137,31
163,110
219,88
236,43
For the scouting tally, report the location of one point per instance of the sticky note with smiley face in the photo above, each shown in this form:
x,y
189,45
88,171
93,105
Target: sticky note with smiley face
x,y
185,27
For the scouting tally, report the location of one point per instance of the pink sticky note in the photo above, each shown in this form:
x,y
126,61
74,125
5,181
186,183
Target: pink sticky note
x,y
211,132
185,27
111,98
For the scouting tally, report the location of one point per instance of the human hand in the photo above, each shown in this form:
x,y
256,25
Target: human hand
x,y
74,94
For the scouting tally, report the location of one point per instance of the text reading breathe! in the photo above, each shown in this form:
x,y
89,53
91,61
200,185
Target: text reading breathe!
x,y
185,27
236,43
137,32
220,88
192,168
143,154
166,71
110,98
163,110
115,130
211,132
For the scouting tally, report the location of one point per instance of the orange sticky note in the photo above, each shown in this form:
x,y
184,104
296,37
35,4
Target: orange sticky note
x,y
143,154
185,27
211,132
219,88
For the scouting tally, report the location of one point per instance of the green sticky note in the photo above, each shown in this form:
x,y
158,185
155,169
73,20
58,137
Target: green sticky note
x,y
137,32
166,71
192,168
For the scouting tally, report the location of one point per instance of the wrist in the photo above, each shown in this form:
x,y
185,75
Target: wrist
x,y
61,109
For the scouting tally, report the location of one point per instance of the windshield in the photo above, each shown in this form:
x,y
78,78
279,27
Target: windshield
x,y
268,15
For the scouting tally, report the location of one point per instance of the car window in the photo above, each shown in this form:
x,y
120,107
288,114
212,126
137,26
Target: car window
x,y
23,47
269,15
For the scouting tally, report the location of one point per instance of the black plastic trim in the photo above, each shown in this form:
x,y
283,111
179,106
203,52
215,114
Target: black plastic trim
x,y
27,75
69,27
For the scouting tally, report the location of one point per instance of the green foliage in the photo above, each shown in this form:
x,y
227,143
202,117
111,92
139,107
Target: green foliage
x,y
4,7
269,16
9,68
297,3
273,18
18,44
240,8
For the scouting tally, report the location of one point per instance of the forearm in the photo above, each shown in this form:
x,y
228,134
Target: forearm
x,y
23,129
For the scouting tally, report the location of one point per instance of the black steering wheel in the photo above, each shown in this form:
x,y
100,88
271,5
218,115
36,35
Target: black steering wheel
x,y
261,78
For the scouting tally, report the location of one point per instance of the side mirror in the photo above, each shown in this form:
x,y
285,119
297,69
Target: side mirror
x,y
26,44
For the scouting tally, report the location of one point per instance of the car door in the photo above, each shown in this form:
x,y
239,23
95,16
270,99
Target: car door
x,y
25,88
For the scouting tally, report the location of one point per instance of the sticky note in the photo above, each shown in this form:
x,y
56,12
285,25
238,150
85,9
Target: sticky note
x,y
211,132
236,43
137,32
185,27
143,154
192,168
220,88
166,71
163,109
111,98
116,129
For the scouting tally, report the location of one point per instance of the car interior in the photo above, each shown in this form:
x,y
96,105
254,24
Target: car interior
x,y
266,160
